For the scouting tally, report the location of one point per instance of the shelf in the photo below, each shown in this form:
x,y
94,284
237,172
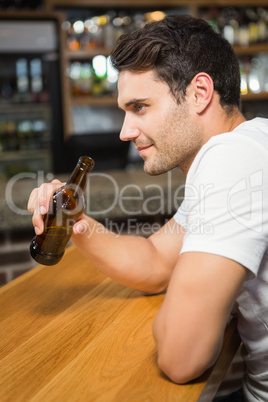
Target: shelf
x,y
24,107
227,3
29,154
251,49
116,3
152,3
254,96
94,101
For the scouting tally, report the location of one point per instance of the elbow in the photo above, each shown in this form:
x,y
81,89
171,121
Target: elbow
x,y
178,370
181,361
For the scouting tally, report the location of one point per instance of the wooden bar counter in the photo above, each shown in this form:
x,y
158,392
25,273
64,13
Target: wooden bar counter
x,y
69,333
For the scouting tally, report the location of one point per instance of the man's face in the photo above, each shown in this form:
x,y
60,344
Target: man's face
x,y
163,132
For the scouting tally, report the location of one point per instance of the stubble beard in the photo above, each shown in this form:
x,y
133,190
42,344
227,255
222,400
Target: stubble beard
x,y
179,145
179,154
158,167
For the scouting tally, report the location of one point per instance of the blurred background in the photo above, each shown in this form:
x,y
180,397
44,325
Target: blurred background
x,y
58,88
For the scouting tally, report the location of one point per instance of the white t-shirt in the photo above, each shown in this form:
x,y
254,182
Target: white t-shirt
x,y
225,212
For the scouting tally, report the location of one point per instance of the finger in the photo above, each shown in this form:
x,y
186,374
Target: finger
x,y
39,202
44,194
32,201
38,223
46,188
81,227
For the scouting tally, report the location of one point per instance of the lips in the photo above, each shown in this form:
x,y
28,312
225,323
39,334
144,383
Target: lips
x,y
143,148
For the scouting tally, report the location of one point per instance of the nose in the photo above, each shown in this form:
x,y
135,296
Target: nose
x,y
129,130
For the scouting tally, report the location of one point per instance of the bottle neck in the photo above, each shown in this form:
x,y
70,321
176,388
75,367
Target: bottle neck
x,y
78,179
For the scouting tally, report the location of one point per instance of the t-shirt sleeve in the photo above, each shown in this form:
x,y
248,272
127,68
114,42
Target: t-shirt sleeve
x,y
224,211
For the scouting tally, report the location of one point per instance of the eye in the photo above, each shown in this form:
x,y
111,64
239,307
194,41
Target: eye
x,y
138,107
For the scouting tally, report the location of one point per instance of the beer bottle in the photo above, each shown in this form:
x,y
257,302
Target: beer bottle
x,y
66,206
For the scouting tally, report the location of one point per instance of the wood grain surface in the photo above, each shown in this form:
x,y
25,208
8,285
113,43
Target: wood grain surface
x,y
69,333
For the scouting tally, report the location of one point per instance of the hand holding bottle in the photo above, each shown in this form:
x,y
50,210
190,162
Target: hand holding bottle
x,y
60,206
38,203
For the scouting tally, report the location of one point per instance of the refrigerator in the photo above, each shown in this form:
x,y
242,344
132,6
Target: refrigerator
x,y
31,113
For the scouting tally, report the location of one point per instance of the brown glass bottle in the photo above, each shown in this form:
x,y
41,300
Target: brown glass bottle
x,y
66,206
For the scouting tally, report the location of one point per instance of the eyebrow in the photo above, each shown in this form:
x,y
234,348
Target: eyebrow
x,y
133,101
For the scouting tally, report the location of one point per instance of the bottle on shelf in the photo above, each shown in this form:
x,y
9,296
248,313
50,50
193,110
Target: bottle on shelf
x,y
25,135
8,136
262,24
22,80
72,39
66,206
254,74
244,78
263,72
81,76
242,26
99,65
95,78
102,31
36,79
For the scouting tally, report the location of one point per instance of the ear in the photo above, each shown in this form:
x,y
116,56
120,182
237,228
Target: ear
x,y
203,90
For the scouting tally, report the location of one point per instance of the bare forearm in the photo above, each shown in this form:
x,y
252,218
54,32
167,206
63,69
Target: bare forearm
x,y
144,264
129,260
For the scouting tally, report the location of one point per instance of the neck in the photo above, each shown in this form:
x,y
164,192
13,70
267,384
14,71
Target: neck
x,y
230,122
215,124
218,121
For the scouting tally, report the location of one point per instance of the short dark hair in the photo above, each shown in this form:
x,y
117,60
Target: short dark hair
x,y
177,48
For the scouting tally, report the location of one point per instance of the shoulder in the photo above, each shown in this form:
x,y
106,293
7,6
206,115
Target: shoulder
x,y
234,154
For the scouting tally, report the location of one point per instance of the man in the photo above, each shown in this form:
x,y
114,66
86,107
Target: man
x,y
179,85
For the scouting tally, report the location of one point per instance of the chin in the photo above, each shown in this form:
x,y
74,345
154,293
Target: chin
x,y
159,167
154,170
